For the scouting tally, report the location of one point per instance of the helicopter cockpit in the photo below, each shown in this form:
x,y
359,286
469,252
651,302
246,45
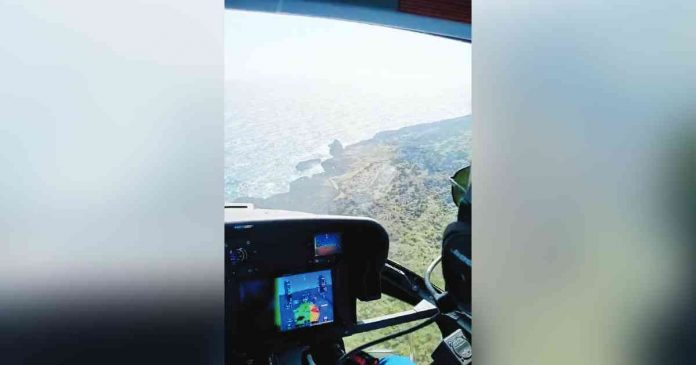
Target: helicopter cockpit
x,y
310,270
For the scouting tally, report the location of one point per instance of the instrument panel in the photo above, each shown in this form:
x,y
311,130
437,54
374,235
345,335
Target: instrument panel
x,y
293,276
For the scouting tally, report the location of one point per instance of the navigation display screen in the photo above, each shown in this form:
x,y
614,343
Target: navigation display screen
x,y
326,244
303,300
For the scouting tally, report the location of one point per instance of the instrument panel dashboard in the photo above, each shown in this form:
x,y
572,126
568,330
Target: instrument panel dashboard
x,y
294,276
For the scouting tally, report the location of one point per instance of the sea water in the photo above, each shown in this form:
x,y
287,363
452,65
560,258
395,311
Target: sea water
x,y
294,84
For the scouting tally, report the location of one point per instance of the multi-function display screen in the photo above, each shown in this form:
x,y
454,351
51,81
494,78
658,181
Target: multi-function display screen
x,y
304,300
326,244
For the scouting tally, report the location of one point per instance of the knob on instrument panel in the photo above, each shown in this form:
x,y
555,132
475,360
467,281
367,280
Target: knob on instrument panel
x,y
238,255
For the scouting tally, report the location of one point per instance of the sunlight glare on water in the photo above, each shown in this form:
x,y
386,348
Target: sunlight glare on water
x,y
293,84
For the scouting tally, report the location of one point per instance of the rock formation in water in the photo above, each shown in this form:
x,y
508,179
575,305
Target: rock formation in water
x,y
336,148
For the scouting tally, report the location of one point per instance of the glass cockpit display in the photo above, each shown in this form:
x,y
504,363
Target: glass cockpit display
x,y
303,300
326,244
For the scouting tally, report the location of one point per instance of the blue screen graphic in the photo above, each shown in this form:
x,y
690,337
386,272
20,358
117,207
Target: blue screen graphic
x,y
326,244
304,300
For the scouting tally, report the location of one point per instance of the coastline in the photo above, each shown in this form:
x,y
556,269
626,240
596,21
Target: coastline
x,y
361,171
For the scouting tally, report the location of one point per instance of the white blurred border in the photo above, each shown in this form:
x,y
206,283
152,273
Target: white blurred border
x,y
582,110
111,162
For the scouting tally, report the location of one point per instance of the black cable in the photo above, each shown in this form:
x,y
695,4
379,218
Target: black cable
x,y
429,285
347,355
426,277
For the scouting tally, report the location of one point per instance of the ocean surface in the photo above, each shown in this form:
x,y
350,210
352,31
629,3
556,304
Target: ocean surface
x,y
294,84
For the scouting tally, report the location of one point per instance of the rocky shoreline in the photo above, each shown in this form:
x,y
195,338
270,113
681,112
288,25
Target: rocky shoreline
x,y
307,164
363,172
